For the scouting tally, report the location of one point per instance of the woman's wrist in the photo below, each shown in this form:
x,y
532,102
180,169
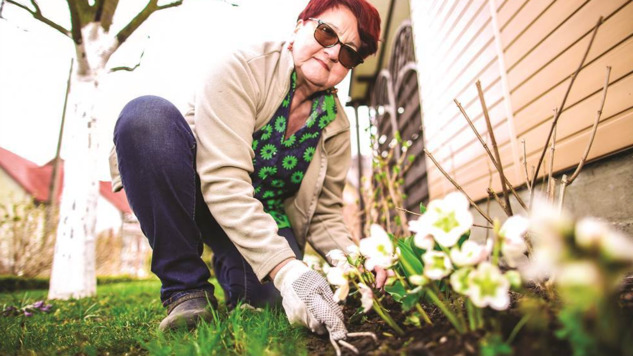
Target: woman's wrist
x,y
274,271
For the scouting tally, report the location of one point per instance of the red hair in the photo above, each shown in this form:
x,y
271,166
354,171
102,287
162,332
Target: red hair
x,y
366,14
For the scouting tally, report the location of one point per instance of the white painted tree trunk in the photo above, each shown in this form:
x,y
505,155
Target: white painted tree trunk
x,y
74,272
74,264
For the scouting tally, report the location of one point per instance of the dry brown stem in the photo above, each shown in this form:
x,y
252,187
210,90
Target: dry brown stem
x,y
495,148
562,106
493,194
483,143
594,129
528,184
457,185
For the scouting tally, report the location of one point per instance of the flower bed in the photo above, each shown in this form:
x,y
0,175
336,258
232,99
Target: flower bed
x,y
543,283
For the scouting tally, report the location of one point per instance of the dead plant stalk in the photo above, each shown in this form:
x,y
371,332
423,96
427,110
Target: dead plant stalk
x,y
562,106
459,187
483,143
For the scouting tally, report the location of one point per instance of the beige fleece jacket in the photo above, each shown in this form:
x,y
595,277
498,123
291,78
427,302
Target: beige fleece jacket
x,y
237,98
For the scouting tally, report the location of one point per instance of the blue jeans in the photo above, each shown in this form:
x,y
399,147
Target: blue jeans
x,y
157,159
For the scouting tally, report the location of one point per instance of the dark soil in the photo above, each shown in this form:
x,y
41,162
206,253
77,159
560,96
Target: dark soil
x,y
441,339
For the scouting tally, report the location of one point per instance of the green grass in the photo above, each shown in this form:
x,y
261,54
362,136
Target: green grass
x,y
123,319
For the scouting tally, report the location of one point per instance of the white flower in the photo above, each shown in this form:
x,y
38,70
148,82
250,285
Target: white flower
x,y
583,273
512,234
338,277
488,287
366,297
445,219
594,232
313,262
470,254
515,228
459,280
377,248
418,280
617,247
353,252
337,257
437,265
589,232
548,228
422,239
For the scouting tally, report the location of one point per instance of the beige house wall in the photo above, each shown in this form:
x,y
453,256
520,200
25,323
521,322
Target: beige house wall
x,y
10,191
523,53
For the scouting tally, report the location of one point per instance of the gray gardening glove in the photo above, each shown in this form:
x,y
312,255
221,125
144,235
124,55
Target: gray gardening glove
x,y
308,300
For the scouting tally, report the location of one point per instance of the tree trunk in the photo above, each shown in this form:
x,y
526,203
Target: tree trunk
x,y
74,272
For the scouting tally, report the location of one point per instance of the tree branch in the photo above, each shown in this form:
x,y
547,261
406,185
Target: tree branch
x,y
37,14
562,106
128,69
76,25
140,18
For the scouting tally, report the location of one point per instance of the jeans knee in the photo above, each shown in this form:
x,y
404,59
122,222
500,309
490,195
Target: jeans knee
x,y
145,115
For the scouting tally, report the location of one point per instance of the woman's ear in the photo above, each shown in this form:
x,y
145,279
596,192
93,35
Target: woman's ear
x,y
298,26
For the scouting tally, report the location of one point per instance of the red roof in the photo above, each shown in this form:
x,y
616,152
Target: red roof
x,y
36,180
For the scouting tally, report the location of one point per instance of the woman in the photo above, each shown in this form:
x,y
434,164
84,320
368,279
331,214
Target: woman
x,y
254,169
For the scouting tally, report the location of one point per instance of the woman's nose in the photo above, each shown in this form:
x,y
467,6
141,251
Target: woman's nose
x,y
332,52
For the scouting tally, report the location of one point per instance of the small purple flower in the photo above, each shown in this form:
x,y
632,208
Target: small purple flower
x,y
38,304
27,313
46,308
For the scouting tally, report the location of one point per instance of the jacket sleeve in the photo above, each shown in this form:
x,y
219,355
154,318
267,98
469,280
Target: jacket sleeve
x,y
224,120
327,229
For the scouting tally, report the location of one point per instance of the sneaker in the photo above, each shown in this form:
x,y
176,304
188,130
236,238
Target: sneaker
x,y
188,310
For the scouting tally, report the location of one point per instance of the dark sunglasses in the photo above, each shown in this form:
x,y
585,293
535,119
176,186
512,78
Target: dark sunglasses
x,y
327,37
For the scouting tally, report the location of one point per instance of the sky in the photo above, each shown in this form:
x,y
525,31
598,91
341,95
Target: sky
x,y
177,44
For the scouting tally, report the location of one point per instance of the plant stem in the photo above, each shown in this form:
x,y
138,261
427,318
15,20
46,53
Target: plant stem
x,y
425,316
387,318
472,317
422,312
449,315
517,328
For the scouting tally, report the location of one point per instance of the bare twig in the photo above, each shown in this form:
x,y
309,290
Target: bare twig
x,y
562,106
457,185
594,129
568,181
493,194
493,141
129,69
527,176
37,14
516,195
550,172
561,197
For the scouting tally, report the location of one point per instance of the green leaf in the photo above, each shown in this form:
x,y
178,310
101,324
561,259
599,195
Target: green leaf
x,y
410,262
422,208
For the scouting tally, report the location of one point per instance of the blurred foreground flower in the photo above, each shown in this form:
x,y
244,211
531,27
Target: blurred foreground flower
x,y
513,246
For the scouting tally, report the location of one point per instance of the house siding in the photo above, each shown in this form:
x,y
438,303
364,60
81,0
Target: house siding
x,y
524,53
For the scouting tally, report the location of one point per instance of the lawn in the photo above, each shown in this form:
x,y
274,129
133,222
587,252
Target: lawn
x,y
123,319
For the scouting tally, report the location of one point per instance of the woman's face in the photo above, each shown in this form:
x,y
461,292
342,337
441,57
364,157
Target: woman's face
x,y
318,66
